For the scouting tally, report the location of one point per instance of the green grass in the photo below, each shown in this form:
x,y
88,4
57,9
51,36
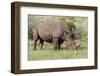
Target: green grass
x,y
47,53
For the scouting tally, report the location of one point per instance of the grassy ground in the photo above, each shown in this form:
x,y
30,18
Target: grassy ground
x,y
47,53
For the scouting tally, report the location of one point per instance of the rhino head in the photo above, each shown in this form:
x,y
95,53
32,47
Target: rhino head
x,y
70,41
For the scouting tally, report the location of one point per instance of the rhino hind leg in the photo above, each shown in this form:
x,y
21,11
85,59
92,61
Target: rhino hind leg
x,y
35,44
41,43
35,39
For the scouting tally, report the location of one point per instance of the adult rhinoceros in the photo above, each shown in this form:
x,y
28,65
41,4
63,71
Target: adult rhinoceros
x,y
56,32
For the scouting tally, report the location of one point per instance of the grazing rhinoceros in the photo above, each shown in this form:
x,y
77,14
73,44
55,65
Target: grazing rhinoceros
x,y
56,32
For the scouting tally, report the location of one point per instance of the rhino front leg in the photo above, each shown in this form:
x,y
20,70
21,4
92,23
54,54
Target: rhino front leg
x,y
59,44
55,43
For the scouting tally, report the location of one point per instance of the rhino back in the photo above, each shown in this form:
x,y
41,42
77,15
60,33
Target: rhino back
x,y
49,29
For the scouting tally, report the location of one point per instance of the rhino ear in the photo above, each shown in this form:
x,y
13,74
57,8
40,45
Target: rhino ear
x,y
65,35
66,32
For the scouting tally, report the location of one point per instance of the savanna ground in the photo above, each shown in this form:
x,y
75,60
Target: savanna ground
x,y
47,53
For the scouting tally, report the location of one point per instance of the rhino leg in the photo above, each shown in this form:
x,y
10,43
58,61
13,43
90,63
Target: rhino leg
x,y
41,43
59,43
55,42
35,44
35,37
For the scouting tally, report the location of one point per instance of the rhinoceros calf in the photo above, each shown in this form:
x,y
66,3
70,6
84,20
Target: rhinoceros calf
x,y
54,31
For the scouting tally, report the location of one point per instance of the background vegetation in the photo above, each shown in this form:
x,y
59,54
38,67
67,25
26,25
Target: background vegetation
x,y
79,26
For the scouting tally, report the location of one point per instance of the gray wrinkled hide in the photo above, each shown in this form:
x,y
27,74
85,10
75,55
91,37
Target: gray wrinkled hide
x,y
53,31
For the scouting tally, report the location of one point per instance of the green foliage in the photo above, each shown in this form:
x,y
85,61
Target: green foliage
x,y
68,21
71,24
81,27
